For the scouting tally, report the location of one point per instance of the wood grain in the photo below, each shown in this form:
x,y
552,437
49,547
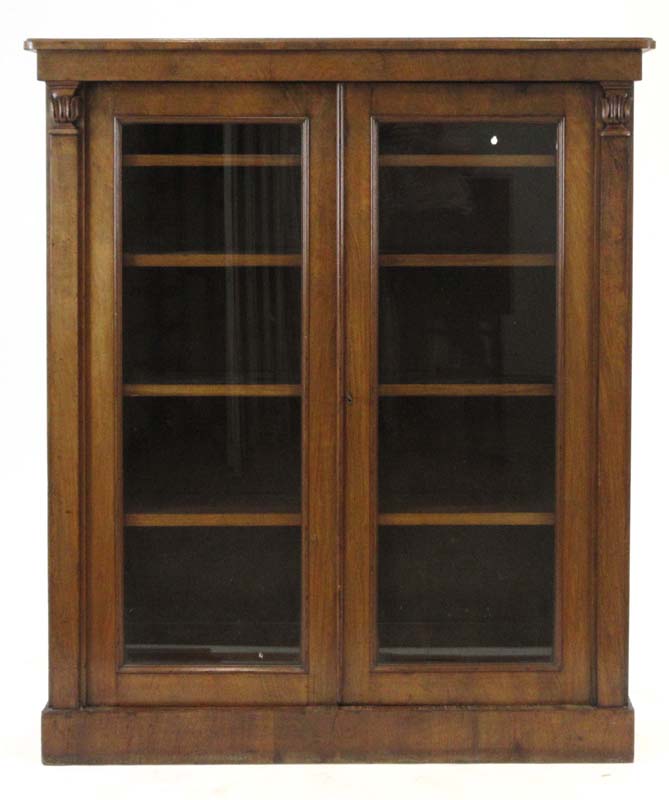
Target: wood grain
x,y
219,160
359,472
507,43
467,260
316,681
212,390
337,734
339,704
65,411
466,389
569,678
468,518
614,392
210,520
354,65
435,160
211,260
323,409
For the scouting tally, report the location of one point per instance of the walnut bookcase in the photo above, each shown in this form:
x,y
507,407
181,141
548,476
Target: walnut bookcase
x,y
339,397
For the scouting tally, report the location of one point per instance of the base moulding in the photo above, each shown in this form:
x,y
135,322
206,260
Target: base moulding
x,y
304,734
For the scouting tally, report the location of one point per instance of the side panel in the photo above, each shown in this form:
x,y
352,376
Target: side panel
x,y
615,350
65,398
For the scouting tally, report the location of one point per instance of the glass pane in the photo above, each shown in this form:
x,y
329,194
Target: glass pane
x,y
467,240
234,325
516,138
212,411
212,454
466,453
208,595
465,593
467,324
237,209
244,138
466,209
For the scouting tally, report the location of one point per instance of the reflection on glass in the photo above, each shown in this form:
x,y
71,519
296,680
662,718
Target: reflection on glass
x,y
467,240
212,413
466,210
207,325
212,209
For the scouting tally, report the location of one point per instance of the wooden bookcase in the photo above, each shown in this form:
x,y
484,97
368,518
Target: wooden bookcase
x,y
339,395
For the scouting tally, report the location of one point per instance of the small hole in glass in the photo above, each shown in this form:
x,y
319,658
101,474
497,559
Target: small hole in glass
x,y
494,140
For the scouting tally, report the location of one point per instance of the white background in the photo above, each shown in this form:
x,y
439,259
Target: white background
x,y
23,604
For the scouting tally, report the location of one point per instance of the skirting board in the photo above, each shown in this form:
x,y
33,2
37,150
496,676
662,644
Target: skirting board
x,y
299,734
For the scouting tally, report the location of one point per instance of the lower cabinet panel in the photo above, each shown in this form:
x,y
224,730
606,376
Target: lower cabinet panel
x,y
337,734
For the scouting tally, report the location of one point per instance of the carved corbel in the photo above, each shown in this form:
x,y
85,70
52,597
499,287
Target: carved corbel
x,y
66,107
616,109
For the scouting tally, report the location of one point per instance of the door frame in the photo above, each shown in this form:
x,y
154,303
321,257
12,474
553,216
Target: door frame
x,y
108,680
567,679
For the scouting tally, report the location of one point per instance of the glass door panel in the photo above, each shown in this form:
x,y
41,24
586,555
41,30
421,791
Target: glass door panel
x,y
204,595
465,593
212,410
467,254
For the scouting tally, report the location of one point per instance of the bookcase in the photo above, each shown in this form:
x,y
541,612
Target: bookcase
x,y
339,391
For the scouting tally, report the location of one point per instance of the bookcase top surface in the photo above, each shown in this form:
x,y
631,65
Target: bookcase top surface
x,y
559,44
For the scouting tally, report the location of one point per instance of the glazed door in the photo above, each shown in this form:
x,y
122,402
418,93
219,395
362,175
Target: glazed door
x,y
469,473
213,394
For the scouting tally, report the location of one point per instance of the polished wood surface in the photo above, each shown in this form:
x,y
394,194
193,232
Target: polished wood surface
x,y
568,678
339,704
65,397
340,59
213,520
316,680
466,161
508,43
466,260
211,260
468,518
337,734
223,160
211,390
466,390
614,409
341,65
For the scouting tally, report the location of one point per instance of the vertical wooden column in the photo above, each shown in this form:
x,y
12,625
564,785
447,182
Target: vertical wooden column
x,y
615,331
64,393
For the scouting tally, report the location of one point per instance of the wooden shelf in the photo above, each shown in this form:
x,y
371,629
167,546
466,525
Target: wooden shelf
x,y
466,389
467,260
181,520
212,390
483,160
212,260
468,518
214,160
